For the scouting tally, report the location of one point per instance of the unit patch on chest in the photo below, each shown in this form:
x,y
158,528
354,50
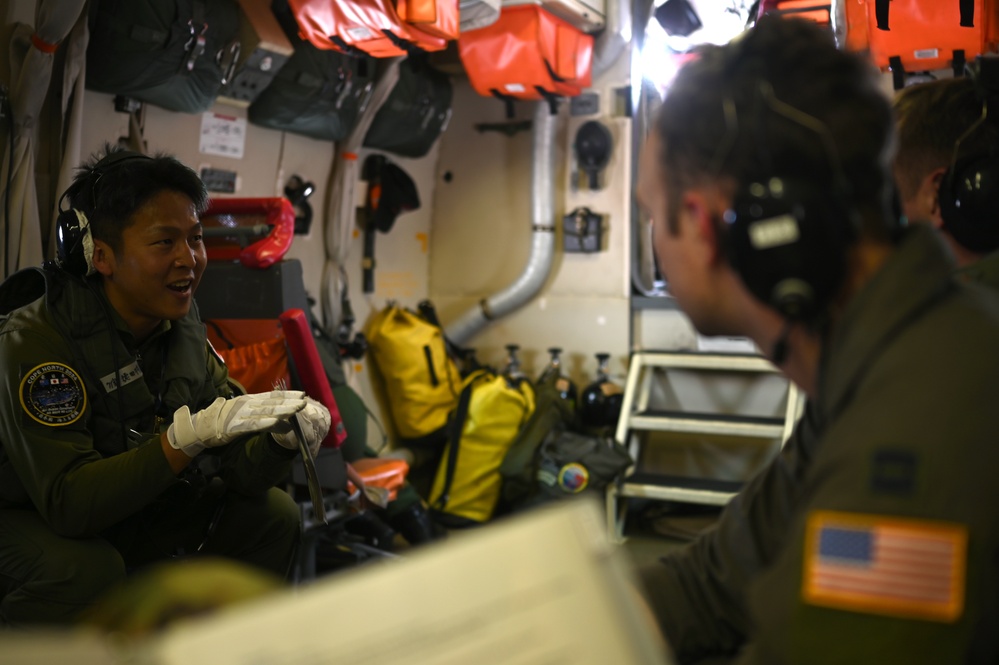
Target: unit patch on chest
x,y
53,394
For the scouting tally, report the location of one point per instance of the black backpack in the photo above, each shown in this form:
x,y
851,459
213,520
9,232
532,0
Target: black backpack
x,y
415,113
176,54
317,93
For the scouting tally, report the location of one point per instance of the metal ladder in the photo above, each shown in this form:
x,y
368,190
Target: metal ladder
x,y
636,416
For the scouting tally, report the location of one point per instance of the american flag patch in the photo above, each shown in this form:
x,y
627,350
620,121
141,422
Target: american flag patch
x,y
885,565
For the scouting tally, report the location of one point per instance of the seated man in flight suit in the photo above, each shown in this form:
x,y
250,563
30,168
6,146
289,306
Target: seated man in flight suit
x,y
873,536
122,441
947,164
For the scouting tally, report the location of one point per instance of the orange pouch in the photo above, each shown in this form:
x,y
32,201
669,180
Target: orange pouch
x,y
925,35
381,472
527,54
436,17
253,350
851,24
819,11
371,26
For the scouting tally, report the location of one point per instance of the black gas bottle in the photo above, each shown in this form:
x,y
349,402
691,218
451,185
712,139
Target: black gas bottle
x,y
600,402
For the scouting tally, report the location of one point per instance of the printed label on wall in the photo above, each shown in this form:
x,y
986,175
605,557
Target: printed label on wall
x,y
222,135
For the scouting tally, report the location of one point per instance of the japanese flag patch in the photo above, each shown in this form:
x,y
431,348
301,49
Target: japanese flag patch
x,y
53,394
885,565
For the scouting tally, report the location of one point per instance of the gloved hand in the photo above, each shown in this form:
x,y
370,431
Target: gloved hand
x,y
225,419
315,421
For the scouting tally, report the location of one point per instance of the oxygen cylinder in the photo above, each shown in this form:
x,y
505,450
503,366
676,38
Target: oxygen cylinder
x,y
566,388
512,371
600,402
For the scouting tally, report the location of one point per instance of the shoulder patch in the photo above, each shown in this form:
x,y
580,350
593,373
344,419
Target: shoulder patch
x,y
573,477
53,394
885,565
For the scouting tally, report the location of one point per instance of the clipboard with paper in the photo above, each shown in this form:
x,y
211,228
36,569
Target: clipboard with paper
x,y
531,590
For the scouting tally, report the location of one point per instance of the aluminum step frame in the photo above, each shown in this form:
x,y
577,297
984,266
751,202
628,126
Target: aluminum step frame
x,y
635,416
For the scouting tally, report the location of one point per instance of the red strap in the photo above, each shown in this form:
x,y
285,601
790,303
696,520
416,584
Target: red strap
x,y
43,45
308,364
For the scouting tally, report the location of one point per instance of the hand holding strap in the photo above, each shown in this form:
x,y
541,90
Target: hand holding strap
x,y
224,420
315,422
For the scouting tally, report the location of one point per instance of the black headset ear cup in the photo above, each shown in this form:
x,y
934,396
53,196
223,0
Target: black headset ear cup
x,y
969,202
787,239
74,240
74,243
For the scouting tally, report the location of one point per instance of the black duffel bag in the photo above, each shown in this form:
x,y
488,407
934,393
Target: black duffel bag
x,y
415,113
176,54
317,93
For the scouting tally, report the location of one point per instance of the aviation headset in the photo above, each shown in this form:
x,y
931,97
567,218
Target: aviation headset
x,y
787,236
969,189
74,240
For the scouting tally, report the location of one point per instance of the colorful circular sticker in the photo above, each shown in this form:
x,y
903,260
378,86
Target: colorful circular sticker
x,y
53,394
573,477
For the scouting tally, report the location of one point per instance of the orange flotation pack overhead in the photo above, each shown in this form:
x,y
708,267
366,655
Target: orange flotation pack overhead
x,y
380,28
527,54
906,36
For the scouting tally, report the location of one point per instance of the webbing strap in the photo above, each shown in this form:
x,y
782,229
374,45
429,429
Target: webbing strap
x,y
959,63
881,13
897,72
507,102
967,13
455,428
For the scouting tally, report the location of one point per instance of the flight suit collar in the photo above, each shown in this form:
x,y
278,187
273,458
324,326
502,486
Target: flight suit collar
x,y
984,271
183,342
125,332
916,275
85,315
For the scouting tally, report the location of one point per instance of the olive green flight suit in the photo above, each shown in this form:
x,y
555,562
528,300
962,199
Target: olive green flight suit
x,y
984,271
86,493
903,432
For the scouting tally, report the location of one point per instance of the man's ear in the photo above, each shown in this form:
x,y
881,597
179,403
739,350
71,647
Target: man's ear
x,y
103,258
930,188
701,215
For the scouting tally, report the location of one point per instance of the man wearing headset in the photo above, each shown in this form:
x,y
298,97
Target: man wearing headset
x,y
122,440
872,536
947,165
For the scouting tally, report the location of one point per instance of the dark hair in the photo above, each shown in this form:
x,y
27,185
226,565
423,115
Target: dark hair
x,y
796,63
931,117
110,195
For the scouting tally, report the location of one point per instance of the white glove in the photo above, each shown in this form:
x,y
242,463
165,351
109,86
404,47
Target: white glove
x,y
315,421
225,419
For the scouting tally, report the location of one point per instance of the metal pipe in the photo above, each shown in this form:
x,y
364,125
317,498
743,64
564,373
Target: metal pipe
x,y
539,262
614,38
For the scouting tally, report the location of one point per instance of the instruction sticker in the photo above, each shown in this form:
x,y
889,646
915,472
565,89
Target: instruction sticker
x,y
53,394
222,135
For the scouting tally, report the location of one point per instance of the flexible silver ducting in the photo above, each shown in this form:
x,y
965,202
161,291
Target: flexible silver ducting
x,y
539,262
615,37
